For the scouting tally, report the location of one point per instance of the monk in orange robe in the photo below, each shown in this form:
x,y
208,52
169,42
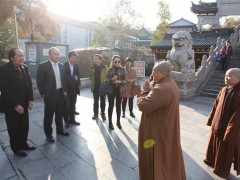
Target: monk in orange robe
x,y
160,153
224,142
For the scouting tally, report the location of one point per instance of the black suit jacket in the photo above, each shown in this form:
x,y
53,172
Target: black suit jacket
x,y
13,91
71,83
46,80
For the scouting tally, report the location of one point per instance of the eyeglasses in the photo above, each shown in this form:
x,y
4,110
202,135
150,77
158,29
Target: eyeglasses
x,y
117,62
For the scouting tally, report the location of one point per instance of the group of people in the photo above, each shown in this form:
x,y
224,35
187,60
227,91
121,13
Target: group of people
x,y
56,82
121,79
226,55
59,85
159,147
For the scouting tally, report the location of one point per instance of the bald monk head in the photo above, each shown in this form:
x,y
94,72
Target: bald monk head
x,y
161,70
232,77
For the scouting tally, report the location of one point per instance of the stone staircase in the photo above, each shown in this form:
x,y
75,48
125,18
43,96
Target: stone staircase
x,y
216,81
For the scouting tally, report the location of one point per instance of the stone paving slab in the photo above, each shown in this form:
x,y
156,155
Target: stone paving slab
x,y
93,152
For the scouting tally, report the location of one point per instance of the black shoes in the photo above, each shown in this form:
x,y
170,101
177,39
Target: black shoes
x,y
132,115
111,126
74,122
77,113
103,117
119,125
21,153
50,139
67,125
63,133
29,148
95,116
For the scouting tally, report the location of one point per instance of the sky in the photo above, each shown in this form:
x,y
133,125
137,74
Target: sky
x,y
91,10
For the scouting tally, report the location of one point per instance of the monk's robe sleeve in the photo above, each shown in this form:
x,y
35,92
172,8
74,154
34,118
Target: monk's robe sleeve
x,y
211,115
232,133
157,97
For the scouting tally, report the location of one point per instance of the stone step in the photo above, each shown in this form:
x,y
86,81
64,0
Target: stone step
x,y
211,95
212,91
218,81
214,86
218,76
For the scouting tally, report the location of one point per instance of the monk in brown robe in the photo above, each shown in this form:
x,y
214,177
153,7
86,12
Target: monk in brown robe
x,y
159,149
224,142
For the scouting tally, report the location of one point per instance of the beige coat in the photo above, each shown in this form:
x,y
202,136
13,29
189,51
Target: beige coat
x,y
160,123
132,74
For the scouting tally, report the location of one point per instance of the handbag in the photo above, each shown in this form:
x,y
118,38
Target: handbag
x,y
106,89
136,89
218,58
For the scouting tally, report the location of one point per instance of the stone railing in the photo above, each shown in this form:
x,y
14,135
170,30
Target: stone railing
x,y
191,85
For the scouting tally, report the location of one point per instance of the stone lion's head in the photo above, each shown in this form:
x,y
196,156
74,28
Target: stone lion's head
x,y
182,39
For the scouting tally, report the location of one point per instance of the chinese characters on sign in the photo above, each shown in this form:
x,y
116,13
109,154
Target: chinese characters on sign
x,y
32,54
140,68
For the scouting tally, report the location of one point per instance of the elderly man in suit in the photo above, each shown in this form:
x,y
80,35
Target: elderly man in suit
x,y
72,83
51,85
16,99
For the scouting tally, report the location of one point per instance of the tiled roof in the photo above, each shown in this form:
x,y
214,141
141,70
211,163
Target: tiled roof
x,y
181,22
204,8
205,38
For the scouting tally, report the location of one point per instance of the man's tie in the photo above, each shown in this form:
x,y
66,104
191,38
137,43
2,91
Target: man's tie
x,y
71,69
57,76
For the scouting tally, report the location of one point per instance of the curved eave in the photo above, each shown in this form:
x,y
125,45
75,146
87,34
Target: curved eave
x,y
200,9
204,11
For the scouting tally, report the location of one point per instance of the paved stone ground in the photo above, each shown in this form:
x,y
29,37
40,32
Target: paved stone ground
x,y
93,152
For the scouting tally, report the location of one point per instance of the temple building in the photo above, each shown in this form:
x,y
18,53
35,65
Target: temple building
x,y
181,25
202,41
212,12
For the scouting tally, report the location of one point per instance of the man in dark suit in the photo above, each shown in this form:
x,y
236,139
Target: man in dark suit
x,y
51,85
72,83
16,99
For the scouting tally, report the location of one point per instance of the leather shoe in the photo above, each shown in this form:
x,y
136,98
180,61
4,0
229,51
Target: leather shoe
x,y
132,115
74,122
77,113
21,153
67,125
63,133
111,126
103,117
119,125
95,116
50,139
29,148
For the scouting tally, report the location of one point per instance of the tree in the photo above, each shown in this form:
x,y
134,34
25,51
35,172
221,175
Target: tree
x,y
231,21
123,18
164,16
99,38
36,22
7,40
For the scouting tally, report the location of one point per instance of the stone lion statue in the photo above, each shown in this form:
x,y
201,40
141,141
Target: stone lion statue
x,y
181,56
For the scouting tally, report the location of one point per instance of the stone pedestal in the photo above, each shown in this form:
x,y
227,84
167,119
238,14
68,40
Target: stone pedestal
x,y
186,84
